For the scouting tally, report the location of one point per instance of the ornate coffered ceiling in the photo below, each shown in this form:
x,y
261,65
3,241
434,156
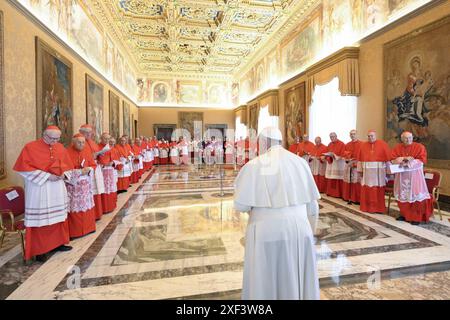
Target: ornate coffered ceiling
x,y
207,38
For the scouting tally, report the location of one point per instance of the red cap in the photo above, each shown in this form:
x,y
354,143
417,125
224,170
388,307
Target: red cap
x,y
78,135
53,128
87,126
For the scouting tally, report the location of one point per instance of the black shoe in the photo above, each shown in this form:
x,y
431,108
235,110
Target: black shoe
x,y
63,248
42,257
401,218
415,223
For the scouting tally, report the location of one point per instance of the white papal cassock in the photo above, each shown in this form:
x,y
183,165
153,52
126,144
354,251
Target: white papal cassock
x,y
279,191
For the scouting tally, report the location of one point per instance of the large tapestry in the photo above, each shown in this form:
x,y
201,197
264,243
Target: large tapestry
x,y
114,121
186,120
54,91
126,119
2,104
295,112
417,89
94,105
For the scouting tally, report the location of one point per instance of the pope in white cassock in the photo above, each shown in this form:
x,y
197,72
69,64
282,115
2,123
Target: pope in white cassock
x,y
279,192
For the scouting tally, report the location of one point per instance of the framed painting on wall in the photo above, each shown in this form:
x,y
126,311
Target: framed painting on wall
x,y
54,91
295,112
417,89
126,118
114,121
186,120
2,104
94,105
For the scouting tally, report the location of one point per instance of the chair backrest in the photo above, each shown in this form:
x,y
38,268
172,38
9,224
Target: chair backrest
x,y
16,205
432,178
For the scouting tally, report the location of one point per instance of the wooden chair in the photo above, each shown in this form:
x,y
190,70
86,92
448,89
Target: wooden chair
x,y
389,191
433,178
10,212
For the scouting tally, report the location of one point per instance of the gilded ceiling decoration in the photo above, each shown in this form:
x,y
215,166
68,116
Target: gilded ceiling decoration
x,y
192,37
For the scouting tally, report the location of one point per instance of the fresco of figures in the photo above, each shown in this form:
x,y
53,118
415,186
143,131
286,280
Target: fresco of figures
x,y
185,92
330,26
126,119
73,22
417,86
114,120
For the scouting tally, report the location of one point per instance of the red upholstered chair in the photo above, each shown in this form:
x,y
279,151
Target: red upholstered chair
x,y
433,179
11,212
389,190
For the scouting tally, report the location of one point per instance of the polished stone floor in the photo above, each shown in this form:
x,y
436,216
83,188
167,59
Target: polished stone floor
x,y
176,236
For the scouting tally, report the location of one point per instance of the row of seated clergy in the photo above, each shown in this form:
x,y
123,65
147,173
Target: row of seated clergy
x,y
68,190
357,171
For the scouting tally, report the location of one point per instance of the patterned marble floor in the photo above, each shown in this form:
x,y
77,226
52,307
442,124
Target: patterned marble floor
x,y
176,236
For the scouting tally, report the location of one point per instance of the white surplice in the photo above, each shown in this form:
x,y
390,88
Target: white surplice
x,y
279,191
46,202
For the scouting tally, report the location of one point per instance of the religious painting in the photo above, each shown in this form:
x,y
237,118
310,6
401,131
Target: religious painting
x,y
143,89
217,94
54,91
186,120
260,75
94,105
2,103
273,68
302,45
118,67
126,118
109,56
189,92
253,116
374,13
114,120
417,89
247,85
396,5
337,26
235,93
295,112
161,92
130,80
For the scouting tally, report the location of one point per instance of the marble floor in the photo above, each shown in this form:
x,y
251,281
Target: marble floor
x,y
176,236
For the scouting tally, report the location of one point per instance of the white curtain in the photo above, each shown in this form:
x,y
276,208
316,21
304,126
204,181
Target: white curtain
x,y
266,120
331,112
241,129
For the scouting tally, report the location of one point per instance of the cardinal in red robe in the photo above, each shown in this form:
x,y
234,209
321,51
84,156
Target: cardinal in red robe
x,y
42,164
107,161
294,147
410,187
318,164
98,184
305,148
335,166
81,205
124,169
372,158
351,183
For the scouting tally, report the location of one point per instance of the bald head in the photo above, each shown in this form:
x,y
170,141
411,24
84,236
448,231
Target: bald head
x,y
112,142
51,136
353,135
372,136
105,138
407,138
333,137
87,132
305,137
78,143
318,141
